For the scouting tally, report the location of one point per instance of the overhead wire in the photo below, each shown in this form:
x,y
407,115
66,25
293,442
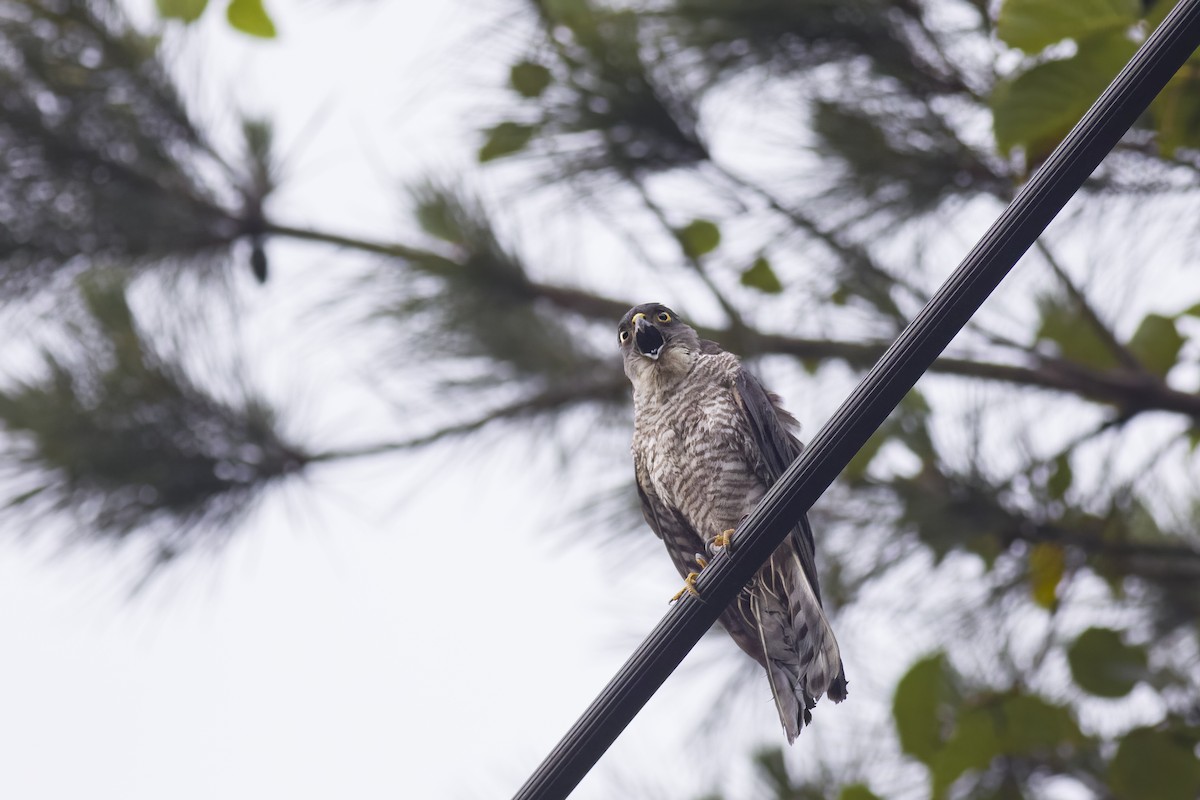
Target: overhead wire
x,y
896,372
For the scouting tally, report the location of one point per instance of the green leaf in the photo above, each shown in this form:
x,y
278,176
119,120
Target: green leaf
x,y
987,546
1156,344
568,12
760,276
1031,724
915,404
1154,765
699,237
529,79
250,17
1131,518
1002,724
1046,565
505,139
920,704
1060,479
1104,665
1032,25
1176,110
1193,436
772,770
857,791
973,745
861,461
186,10
1035,109
912,423
909,424
1074,337
438,218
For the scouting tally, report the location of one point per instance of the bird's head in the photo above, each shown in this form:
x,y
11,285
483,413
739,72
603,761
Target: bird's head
x,y
654,341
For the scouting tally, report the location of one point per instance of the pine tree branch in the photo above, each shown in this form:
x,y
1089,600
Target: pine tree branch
x,y
548,400
735,316
850,253
1157,562
1120,351
1130,392
392,249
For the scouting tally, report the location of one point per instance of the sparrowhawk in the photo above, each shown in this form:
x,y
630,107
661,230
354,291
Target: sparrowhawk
x,y
708,442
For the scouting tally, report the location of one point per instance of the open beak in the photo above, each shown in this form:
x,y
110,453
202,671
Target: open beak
x,y
647,338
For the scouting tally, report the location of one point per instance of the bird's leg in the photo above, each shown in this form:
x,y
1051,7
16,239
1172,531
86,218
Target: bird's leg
x,y
724,539
689,583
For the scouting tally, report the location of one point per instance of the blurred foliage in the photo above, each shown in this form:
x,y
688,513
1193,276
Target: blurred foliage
x,y
699,237
475,292
760,276
248,16
602,104
810,163
982,742
1103,665
989,743
99,159
117,433
1035,107
775,781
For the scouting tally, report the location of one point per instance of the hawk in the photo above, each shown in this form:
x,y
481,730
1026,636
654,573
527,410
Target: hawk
x,y
708,442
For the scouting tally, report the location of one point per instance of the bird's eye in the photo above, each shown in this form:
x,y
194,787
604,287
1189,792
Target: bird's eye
x,y
624,335
664,316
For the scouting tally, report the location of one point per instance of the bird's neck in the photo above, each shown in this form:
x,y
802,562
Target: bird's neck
x,y
655,382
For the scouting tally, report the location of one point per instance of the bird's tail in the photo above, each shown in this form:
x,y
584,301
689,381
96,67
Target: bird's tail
x,y
802,657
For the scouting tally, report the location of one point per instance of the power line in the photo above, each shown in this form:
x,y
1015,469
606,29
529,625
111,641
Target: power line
x,y
1035,205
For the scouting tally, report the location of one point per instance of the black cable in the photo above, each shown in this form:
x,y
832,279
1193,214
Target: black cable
x,y
870,403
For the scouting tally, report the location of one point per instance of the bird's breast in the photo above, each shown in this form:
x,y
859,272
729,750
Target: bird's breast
x,y
692,450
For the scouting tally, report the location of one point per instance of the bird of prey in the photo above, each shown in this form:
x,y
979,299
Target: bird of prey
x,y
708,442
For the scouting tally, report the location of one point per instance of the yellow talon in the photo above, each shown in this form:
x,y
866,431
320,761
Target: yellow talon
x,y
724,538
689,583
689,586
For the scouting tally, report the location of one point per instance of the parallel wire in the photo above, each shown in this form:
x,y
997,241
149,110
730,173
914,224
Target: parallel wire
x,y
896,372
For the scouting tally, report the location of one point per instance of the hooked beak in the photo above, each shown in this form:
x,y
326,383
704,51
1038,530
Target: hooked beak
x,y
647,338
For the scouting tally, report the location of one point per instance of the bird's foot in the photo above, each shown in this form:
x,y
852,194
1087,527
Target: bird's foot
x,y
689,583
722,541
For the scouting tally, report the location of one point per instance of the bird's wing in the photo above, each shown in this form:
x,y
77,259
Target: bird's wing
x,y
775,449
681,539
